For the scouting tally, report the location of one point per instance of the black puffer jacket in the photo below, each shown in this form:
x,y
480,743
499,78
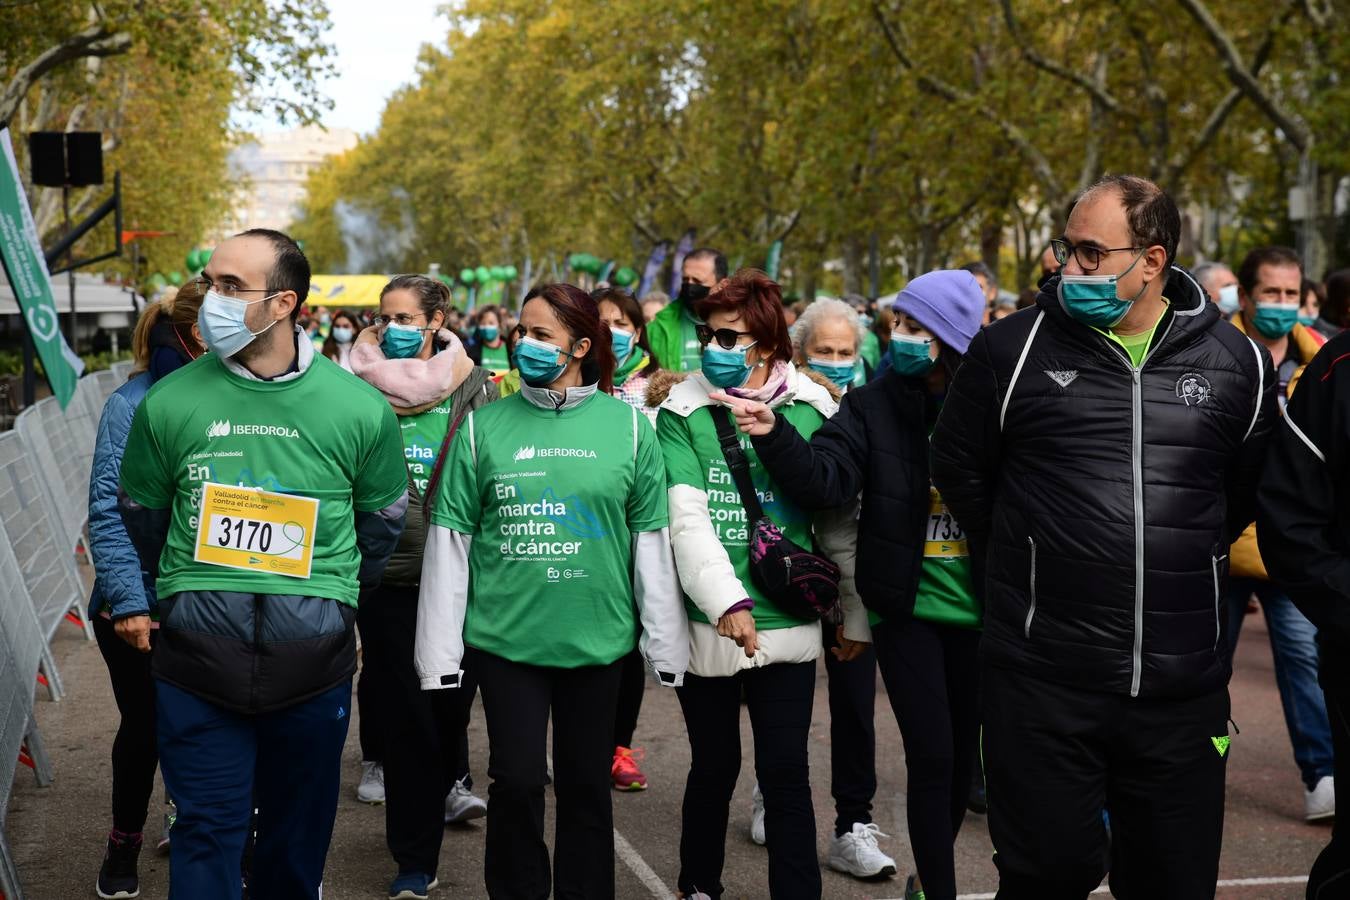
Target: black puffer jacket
x,y
1100,500
877,444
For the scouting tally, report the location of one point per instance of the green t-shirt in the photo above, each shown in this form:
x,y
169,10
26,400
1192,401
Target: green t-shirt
x,y
694,457
495,359
1136,345
552,501
423,434
946,586
870,349
691,351
325,435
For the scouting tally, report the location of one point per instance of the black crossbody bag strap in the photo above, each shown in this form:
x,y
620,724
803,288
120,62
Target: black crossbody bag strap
x,y
434,482
737,462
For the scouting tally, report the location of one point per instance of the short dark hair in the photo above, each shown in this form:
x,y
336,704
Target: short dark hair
x,y
1152,214
290,270
979,268
718,260
1266,256
1336,306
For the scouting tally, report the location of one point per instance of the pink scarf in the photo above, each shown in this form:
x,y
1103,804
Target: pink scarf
x,y
411,385
774,385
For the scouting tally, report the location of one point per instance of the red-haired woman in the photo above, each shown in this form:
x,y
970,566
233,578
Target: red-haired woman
x,y
548,542
740,641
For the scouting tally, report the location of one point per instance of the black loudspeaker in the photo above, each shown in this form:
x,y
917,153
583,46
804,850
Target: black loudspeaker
x,y
84,158
60,159
47,153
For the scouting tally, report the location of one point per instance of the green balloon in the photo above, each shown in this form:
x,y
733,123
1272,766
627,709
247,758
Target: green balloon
x,y
158,280
190,262
175,278
499,273
203,257
466,276
574,262
484,274
511,273
624,277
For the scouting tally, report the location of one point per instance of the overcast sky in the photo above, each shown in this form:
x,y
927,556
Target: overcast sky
x,y
376,43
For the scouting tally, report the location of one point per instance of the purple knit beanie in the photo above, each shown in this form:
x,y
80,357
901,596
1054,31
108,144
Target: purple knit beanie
x,y
948,303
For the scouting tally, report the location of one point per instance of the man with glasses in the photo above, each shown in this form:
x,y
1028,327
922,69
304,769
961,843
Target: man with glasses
x,y
672,332
1101,450
265,486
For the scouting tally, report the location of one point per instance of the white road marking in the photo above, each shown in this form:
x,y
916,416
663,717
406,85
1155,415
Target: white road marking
x,y
638,866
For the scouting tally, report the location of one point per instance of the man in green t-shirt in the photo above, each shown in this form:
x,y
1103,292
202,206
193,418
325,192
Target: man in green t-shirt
x,y
265,487
673,333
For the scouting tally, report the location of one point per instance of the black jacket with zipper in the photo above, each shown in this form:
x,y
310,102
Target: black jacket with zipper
x,y
876,445
1099,498
1303,522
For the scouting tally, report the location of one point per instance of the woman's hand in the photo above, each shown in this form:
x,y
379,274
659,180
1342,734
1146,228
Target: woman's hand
x,y
752,417
740,627
848,650
135,630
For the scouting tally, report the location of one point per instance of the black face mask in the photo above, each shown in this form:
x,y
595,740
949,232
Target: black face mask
x,y
692,292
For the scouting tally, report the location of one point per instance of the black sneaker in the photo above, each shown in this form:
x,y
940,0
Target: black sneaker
x,y
117,878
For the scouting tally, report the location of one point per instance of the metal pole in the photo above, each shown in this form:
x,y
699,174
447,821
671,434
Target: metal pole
x,y
70,276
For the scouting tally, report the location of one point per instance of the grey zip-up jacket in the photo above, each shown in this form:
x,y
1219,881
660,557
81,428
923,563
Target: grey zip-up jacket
x,y
1100,499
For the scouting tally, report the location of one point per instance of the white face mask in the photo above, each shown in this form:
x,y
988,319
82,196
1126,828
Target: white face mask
x,y
1228,299
221,322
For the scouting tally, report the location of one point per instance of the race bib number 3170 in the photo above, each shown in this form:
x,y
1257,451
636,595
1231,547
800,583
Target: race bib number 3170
x,y
256,530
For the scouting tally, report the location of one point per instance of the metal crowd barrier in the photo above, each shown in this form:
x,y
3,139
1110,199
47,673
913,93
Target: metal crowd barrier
x,y
22,646
44,507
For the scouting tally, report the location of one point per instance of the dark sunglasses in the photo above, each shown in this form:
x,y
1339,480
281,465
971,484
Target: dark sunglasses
x,y
725,337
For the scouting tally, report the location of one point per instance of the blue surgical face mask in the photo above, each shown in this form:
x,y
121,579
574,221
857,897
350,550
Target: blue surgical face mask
x,y
538,362
1092,299
488,332
623,344
839,371
1274,320
1307,321
401,341
1228,299
726,368
909,355
342,334
221,322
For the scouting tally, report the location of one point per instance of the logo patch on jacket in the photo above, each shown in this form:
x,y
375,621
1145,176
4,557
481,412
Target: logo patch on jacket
x,y
1194,389
1221,744
1062,378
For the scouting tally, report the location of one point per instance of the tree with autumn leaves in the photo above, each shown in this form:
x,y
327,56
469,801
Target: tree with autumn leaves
x,y
931,131
160,80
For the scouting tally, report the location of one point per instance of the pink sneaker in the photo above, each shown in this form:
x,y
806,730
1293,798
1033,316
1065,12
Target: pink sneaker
x,y
624,773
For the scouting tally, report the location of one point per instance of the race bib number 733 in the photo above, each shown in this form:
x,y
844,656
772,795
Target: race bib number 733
x,y
256,530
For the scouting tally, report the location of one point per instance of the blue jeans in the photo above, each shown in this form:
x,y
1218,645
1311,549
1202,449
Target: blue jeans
x,y
1293,644
217,764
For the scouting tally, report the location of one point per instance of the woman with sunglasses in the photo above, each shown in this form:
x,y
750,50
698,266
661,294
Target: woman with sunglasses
x,y
740,643
414,748
548,543
913,569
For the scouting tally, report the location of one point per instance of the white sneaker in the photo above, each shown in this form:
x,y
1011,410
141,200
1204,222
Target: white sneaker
x,y
1319,804
371,788
856,853
461,805
757,818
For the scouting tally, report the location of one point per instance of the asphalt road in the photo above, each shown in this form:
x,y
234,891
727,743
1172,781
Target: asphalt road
x,y
57,833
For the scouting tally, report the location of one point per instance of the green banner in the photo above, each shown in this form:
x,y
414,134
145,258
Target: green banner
x,y
32,285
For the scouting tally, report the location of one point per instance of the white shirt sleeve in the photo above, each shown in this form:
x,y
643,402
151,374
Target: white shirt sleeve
x,y
441,604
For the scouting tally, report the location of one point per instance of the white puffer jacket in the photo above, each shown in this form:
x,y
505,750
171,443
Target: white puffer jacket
x,y
705,569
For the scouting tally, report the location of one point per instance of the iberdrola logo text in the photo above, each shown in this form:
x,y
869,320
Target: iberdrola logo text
x,y
529,452
223,428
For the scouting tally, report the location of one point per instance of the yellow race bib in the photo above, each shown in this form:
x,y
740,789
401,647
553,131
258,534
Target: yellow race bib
x,y
945,539
256,530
